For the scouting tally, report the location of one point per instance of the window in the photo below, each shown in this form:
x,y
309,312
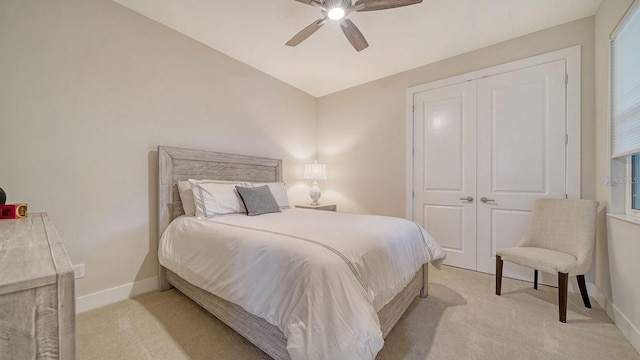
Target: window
x,y
625,102
634,186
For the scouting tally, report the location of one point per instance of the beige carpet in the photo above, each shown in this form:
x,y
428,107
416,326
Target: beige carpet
x,y
461,319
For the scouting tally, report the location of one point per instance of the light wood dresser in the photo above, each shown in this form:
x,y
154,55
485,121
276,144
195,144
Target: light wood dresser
x,y
37,291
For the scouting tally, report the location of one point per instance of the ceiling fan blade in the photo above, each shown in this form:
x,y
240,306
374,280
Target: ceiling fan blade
x,y
306,32
354,35
371,5
308,2
315,3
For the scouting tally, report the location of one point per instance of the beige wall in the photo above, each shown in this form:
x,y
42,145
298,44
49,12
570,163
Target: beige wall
x,y
617,241
364,127
89,89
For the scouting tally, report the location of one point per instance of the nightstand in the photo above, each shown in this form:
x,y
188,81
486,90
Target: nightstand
x,y
325,207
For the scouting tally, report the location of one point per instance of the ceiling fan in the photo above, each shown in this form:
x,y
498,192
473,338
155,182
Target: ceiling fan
x,y
338,10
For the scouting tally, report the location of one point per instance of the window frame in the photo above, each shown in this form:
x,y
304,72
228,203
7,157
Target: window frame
x,y
629,179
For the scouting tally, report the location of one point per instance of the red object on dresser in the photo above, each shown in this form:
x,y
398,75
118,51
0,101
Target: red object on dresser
x,y
13,211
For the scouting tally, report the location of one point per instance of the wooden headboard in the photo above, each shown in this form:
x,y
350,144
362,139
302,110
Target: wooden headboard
x,y
176,164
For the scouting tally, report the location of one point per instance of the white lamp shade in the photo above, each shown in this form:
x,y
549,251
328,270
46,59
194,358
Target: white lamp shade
x,y
315,171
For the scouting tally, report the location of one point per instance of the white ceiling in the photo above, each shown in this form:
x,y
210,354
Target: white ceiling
x,y
254,32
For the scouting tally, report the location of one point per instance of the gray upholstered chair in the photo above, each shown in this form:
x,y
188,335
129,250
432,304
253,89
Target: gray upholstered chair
x,y
559,239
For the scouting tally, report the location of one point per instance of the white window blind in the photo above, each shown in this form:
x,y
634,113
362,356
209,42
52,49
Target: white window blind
x,y
625,85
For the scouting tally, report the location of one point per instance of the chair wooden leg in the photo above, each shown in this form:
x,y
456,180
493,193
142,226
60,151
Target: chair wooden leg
x,y
583,291
563,282
498,275
535,279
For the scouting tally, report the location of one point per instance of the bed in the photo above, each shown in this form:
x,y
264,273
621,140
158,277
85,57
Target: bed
x,y
177,164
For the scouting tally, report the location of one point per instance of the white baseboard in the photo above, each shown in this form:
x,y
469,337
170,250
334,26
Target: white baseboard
x,y
626,327
113,295
622,322
602,300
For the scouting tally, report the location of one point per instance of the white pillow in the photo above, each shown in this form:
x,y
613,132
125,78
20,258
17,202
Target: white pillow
x,y
186,194
214,199
279,192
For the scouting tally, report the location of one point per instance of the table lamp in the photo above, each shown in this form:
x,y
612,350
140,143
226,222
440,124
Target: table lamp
x,y
315,172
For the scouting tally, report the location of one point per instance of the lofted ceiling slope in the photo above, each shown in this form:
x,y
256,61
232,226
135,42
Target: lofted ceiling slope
x,y
255,32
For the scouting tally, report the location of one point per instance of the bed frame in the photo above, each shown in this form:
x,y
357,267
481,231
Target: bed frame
x,y
181,164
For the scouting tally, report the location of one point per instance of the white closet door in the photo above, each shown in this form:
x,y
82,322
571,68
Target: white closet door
x,y
445,169
521,155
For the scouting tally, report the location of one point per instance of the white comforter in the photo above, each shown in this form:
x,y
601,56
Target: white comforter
x,y
319,276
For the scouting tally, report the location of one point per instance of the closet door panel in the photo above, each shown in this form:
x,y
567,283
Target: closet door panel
x,y
444,169
521,155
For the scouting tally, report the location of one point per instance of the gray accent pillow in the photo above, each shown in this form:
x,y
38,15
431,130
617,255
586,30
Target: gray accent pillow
x,y
258,200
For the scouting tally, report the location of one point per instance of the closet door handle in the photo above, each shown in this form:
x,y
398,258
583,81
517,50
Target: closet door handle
x,y
468,198
485,200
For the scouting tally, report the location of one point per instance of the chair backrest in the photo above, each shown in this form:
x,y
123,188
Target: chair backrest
x,y
563,225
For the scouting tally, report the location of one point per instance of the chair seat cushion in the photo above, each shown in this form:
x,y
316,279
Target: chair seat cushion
x,y
542,259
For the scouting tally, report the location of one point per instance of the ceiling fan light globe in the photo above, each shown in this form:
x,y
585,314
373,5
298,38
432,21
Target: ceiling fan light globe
x,y
336,13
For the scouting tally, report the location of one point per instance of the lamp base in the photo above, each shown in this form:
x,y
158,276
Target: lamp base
x,y
315,193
